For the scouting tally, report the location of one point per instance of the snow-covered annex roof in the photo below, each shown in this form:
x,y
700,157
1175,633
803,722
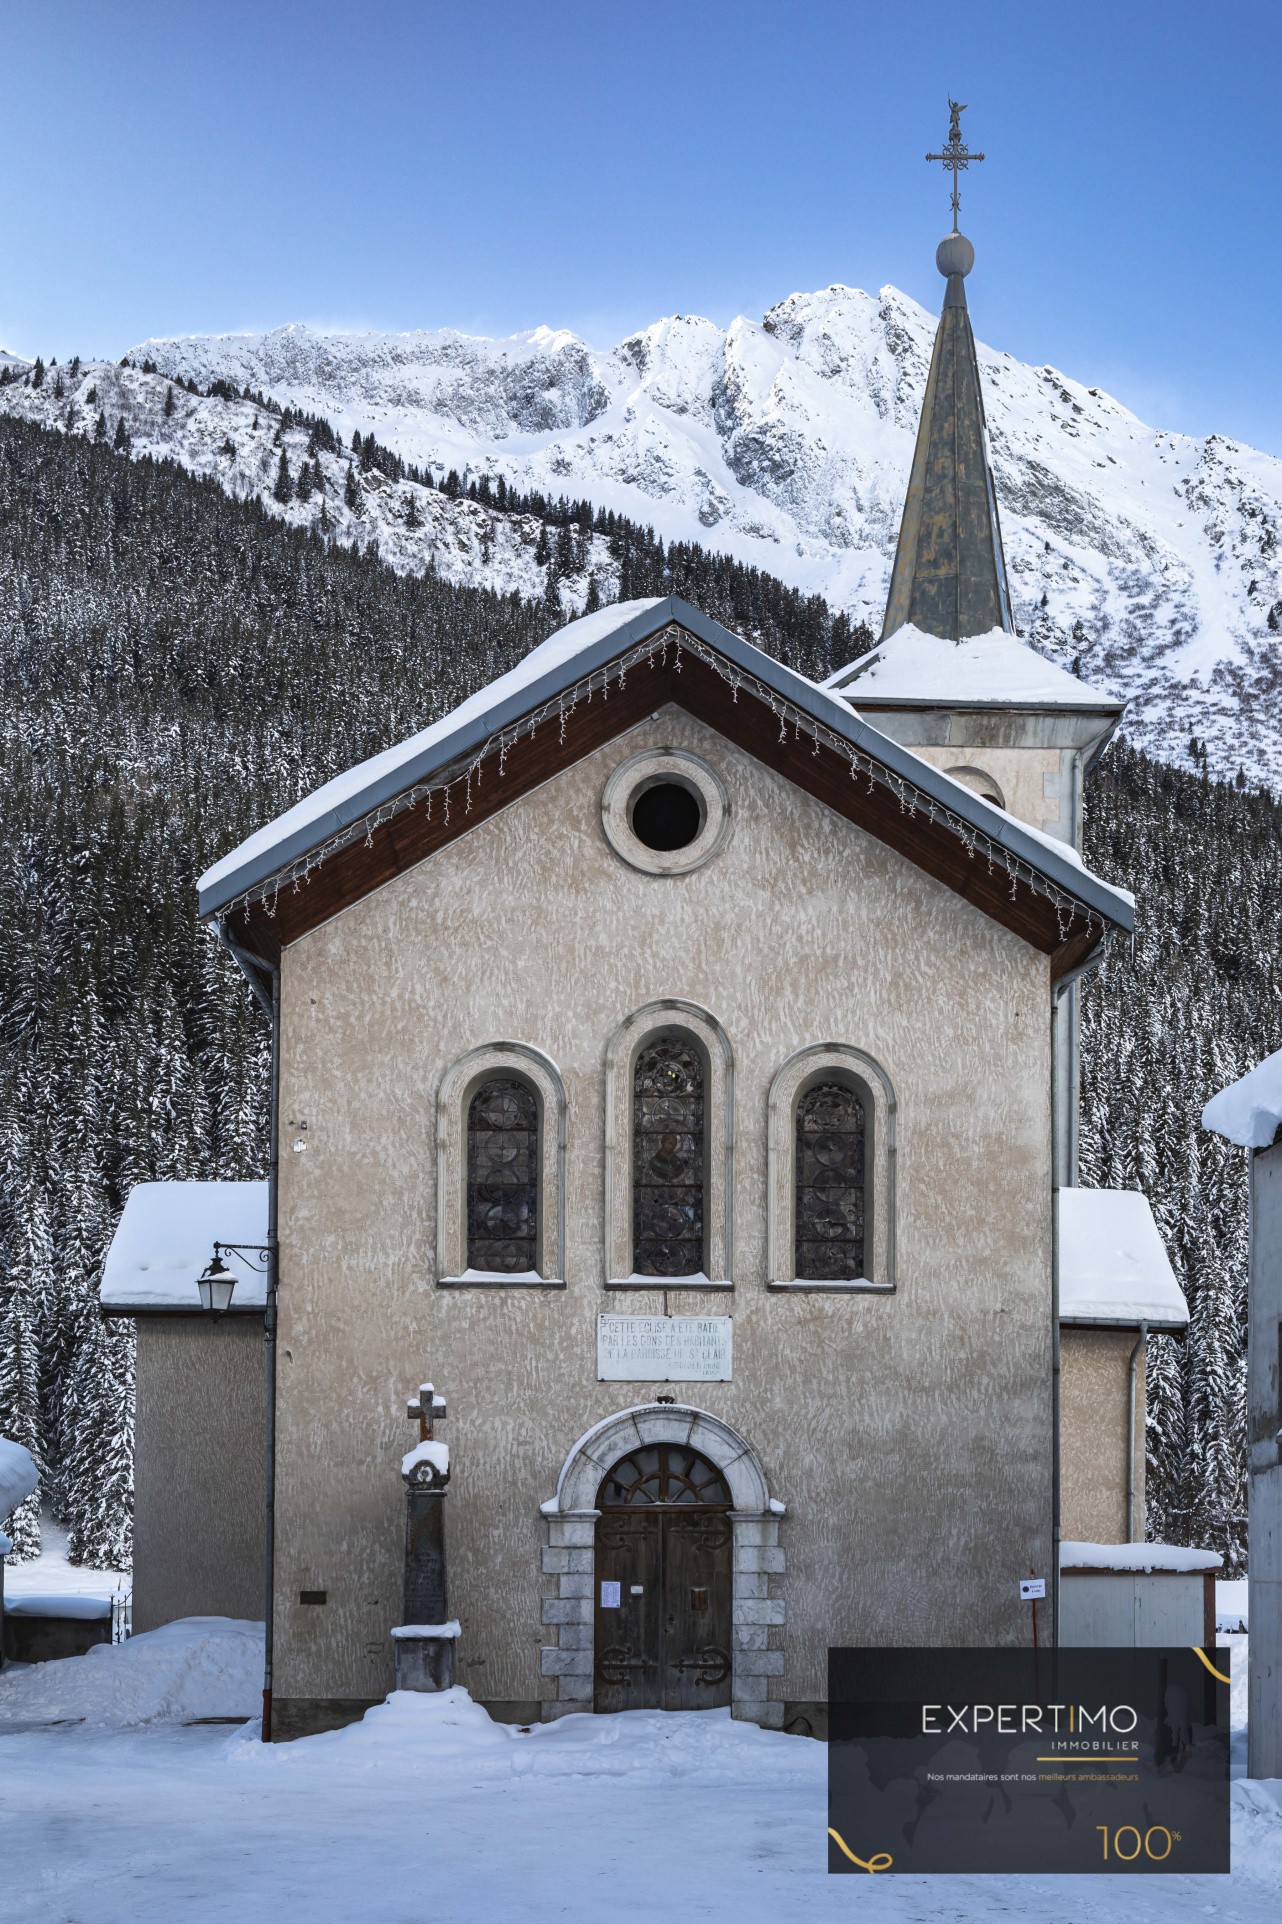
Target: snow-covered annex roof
x,y
1113,1265
1249,1111
166,1236
914,669
563,661
1137,1557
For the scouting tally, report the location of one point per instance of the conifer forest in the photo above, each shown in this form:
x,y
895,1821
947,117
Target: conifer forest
x,y
178,666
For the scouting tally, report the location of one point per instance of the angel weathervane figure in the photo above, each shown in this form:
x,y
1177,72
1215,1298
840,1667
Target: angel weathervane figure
x,y
956,155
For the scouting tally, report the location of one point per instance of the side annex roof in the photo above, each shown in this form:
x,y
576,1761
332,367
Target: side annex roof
x,y
913,797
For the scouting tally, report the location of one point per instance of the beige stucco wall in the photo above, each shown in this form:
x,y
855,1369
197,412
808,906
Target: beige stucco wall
x,y
1036,783
909,1435
198,1469
1093,1425
1036,756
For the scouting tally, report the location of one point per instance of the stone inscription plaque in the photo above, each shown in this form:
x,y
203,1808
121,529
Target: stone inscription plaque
x,y
664,1349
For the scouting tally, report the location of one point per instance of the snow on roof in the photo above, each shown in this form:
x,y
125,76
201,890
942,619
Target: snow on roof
x,y
19,1477
55,1603
319,807
996,667
165,1238
1136,1556
1249,1111
1113,1265
1058,846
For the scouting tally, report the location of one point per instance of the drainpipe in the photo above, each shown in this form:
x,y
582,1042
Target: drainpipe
x,y
269,1345
1132,1381
1055,1469
253,967
1061,989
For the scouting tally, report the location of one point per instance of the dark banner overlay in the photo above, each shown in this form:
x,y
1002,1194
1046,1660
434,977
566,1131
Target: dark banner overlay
x,y
1024,1760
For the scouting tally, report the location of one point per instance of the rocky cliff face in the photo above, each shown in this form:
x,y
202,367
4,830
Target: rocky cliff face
x,y
1150,560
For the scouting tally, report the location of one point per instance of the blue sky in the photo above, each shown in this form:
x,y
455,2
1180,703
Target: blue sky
x,y
200,166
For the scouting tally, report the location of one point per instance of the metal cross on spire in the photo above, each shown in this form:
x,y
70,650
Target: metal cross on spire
x,y
956,155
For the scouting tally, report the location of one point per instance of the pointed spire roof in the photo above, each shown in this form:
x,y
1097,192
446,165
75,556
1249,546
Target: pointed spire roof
x,y
949,577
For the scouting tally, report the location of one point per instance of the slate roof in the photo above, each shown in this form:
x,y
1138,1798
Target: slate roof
x,y
949,577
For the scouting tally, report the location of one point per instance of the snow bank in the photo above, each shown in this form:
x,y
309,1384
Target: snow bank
x,y
55,1604
557,650
444,1630
1232,1600
994,667
438,1733
166,1236
19,1477
197,1667
1136,1556
1249,1111
1113,1265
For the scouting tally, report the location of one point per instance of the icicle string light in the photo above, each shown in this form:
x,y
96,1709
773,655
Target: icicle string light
x,y
912,801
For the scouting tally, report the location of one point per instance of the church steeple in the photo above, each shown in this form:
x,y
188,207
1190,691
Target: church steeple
x,y
949,577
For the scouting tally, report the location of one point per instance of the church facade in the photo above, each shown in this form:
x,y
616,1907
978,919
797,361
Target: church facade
x,y
789,1096
675,1064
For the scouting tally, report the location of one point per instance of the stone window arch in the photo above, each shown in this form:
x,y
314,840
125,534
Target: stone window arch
x,y
826,1208
500,1170
679,1041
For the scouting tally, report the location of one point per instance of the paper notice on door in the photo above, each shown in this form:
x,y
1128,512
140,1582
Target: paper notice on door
x,y
610,1599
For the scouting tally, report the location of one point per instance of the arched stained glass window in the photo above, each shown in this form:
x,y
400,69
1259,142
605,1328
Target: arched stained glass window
x,y
502,1176
667,1159
830,1184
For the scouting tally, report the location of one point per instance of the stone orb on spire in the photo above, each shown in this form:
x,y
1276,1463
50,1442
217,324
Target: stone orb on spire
x,y
954,255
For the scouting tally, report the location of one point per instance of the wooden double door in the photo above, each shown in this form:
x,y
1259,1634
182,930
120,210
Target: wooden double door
x,y
663,1588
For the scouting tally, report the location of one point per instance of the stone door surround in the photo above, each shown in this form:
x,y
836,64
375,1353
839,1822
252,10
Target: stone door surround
x,y
759,1564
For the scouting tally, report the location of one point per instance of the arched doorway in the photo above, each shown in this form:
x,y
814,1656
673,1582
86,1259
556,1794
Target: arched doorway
x,y
663,1583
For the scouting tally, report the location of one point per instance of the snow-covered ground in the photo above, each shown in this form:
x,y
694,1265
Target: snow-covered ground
x,y
51,1575
427,1809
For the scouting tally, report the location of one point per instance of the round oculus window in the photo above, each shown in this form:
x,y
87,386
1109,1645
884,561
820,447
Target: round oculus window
x,y
665,811
666,814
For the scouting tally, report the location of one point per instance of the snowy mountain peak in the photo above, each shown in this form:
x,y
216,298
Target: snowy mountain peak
x,y
1147,562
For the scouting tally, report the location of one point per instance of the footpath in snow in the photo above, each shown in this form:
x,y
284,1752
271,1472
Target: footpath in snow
x,y
427,1808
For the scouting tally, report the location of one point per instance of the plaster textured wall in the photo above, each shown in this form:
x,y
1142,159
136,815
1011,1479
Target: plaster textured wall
x,y
1035,782
198,1470
909,1434
1093,1425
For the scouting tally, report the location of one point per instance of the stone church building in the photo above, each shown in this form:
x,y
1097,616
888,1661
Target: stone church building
x,y
676,1063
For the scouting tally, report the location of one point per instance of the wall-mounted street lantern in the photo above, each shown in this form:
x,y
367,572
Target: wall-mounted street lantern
x,y
217,1282
216,1285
